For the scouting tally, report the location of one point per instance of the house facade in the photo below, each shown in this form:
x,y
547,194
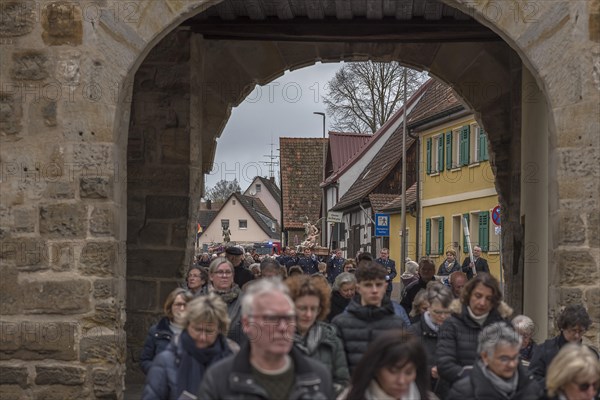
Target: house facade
x,y
247,220
269,193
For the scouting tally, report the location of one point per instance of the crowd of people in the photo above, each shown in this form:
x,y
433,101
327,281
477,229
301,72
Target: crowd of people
x,y
296,326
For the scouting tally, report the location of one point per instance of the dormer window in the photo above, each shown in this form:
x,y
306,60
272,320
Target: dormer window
x,y
258,187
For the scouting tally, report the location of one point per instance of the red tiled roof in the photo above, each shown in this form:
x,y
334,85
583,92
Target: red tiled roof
x,y
396,204
437,99
301,166
385,127
378,200
343,146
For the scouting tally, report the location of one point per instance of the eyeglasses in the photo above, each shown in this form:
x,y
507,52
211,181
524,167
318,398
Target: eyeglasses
x,y
584,387
575,331
507,359
223,273
179,305
276,319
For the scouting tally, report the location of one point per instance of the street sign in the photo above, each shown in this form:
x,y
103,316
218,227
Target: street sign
x,y
334,216
496,215
382,225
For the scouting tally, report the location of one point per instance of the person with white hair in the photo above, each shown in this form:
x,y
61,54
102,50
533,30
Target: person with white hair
x,y
497,374
268,365
526,328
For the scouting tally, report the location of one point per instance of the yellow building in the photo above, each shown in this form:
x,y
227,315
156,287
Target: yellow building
x,y
456,183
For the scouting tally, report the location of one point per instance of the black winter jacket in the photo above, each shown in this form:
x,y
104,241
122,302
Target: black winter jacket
x,y
429,339
360,325
458,339
544,353
232,379
477,387
157,341
338,305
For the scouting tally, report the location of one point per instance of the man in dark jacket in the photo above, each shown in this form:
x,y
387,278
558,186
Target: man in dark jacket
x,y
241,274
308,262
335,266
368,314
426,275
481,264
390,266
573,322
497,374
267,366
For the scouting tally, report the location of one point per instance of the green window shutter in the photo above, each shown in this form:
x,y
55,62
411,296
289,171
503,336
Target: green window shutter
x,y
441,235
428,156
440,152
449,150
428,236
465,144
465,244
482,146
484,230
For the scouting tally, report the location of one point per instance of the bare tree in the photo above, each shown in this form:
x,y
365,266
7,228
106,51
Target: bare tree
x,y
363,95
222,190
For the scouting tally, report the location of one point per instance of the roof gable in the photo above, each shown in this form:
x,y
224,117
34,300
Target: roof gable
x,y
342,148
259,213
437,99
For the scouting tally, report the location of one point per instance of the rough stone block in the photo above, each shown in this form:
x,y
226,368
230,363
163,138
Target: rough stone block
x,y
98,258
25,220
26,254
97,187
107,314
592,299
154,233
11,294
60,392
105,383
60,190
154,263
163,179
63,221
579,162
62,256
105,288
577,267
167,207
62,25
179,235
59,375
102,221
13,392
18,18
29,66
593,226
57,297
13,376
48,113
29,340
141,295
570,296
11,113
571,230
100,345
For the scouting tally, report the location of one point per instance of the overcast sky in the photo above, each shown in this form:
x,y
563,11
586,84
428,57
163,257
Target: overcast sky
x,y
284,107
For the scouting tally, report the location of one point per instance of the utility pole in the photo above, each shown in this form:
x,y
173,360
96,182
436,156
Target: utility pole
x,y
403,212
324,195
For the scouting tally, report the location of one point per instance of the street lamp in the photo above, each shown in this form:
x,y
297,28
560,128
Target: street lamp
x,y
324,196
322,115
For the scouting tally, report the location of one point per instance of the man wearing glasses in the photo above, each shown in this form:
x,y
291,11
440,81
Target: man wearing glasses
x,y
267,366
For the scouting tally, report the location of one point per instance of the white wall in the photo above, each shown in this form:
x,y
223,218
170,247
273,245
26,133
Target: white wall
x,y
265,196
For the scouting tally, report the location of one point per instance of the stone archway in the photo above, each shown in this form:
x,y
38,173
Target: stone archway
x,y
65,119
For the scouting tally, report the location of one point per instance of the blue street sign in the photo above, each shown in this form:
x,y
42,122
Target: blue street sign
x,y
382,225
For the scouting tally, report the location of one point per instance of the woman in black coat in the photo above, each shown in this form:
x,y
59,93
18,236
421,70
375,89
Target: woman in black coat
x,y
479,306
161,334
427,327
343,290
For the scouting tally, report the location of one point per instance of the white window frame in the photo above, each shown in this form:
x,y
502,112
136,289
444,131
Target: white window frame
x,y
435,143
258,187
245,221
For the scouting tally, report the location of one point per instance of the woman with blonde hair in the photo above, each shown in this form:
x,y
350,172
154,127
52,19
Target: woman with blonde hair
x,y
574,374
170,325
181,367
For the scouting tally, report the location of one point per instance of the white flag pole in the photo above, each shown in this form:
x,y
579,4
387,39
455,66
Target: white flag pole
x,y
469,247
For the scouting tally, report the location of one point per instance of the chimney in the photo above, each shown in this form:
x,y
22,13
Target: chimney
x,y
208,204
272,179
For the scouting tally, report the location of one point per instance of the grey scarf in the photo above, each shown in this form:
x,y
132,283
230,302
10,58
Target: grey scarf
x,y
506,387
309,343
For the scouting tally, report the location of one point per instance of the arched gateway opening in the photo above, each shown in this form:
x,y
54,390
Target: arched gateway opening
x,y
184,89
94,173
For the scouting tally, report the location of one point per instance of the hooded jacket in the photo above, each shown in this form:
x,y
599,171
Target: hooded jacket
x,y
458,339
156,342
359,325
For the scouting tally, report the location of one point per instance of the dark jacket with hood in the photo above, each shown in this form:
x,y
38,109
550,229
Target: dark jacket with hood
x,y
477,386
338,304
359,325
156,342
458,339
232,379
